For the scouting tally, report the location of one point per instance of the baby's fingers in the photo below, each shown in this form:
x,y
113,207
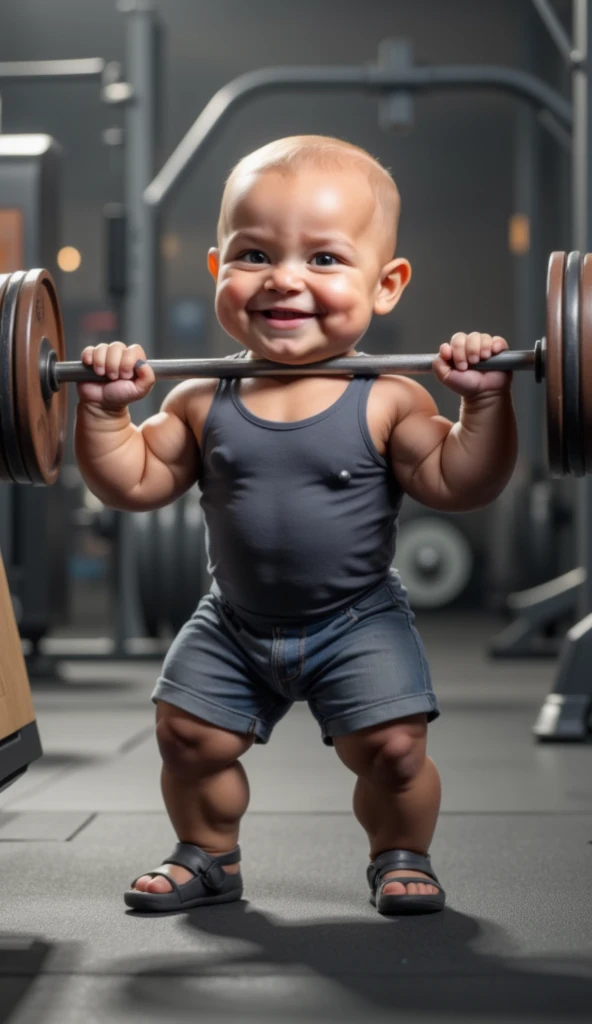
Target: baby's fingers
x,y
144,375
96,356
113,361
131,357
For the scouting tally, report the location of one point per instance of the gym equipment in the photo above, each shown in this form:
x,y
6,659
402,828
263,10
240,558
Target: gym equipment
x,y
567,711
434,559
32,530
171,563
19,737
33,427
32,370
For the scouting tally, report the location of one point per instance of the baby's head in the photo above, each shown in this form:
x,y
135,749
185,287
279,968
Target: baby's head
x,y
306,249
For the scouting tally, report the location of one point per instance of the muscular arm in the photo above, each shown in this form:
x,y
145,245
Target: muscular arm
x,y
453,467
139,467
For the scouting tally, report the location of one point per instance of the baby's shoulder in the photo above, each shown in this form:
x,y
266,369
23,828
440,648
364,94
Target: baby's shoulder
x,y
191,401
395,397
391,399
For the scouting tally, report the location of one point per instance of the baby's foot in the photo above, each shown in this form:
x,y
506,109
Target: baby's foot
x,y
420,888
159,884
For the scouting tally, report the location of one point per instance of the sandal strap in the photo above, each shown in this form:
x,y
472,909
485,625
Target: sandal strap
x,y
399,860
196,860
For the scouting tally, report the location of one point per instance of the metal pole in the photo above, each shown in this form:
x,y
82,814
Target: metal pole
x,y
556,30
367,78
374,365
141,305
51,70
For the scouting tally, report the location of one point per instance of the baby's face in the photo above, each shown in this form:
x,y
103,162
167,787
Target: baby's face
x,y
303,264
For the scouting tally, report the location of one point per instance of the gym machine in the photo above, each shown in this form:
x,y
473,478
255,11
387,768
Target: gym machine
x,y
566,713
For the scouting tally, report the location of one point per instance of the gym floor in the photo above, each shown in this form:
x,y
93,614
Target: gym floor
x,y
513,849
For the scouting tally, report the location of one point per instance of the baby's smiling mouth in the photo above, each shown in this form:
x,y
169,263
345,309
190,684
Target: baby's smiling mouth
x,y
279,313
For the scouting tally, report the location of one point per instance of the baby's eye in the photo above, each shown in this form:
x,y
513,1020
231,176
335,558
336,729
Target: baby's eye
x,y
253,256
325,259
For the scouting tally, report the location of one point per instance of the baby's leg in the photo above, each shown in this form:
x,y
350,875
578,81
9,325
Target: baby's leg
x,y
397,795
205,789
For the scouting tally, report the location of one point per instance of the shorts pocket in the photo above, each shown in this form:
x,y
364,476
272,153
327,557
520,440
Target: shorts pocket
x,y
384,599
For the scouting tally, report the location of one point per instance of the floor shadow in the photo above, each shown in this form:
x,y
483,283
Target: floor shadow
x,y
422,965
22,960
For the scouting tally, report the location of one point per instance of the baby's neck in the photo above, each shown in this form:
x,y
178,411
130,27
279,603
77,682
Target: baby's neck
x,y
285,379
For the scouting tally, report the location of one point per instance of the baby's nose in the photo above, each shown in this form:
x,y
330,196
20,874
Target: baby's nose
x,y
284,278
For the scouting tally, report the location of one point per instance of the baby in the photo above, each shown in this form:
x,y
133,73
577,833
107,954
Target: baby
x,y
301,480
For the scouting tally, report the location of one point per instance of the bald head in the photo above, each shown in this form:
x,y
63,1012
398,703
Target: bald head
x,y
319,153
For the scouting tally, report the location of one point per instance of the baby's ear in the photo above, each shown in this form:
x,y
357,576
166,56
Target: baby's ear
x,y
214,262
394,278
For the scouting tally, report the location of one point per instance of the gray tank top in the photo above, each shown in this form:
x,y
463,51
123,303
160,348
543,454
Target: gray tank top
x,y
301,517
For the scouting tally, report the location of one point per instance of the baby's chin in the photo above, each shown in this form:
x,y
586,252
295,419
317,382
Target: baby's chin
x,y
291,354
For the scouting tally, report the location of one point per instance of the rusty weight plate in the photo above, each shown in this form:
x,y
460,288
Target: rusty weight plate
x,y
554,363
572,415
586,359
5,474
8,425
41,421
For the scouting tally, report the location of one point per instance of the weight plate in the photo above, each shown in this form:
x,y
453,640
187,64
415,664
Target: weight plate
x,y
554,364
9,428
434,560
586,360
41,422
5,474
572,421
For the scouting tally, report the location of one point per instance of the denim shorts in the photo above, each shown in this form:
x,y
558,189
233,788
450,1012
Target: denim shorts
x,y
362,667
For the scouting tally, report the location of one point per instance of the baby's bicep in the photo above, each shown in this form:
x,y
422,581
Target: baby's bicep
x,y
172,453
415,448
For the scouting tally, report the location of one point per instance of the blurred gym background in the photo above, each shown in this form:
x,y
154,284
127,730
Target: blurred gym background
x,y
485,184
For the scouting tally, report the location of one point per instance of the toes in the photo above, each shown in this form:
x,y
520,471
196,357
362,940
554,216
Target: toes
x,y
159,884
394,889
148,884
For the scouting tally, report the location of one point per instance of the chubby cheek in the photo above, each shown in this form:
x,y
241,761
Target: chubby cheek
x,y
230,301
337,294
345,303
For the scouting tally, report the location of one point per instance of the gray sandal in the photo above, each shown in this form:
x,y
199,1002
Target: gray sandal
x,y
211,883
397,860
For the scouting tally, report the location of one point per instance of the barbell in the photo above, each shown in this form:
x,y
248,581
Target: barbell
x,y
33,406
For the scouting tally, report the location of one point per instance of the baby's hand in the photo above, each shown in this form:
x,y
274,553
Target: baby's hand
x,y
117,363
463,350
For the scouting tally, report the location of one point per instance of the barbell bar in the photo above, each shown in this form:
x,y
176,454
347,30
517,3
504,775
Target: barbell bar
x,y
33,405
57,374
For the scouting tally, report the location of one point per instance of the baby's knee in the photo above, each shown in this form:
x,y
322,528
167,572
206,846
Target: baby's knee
x,y
191,748
398,760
